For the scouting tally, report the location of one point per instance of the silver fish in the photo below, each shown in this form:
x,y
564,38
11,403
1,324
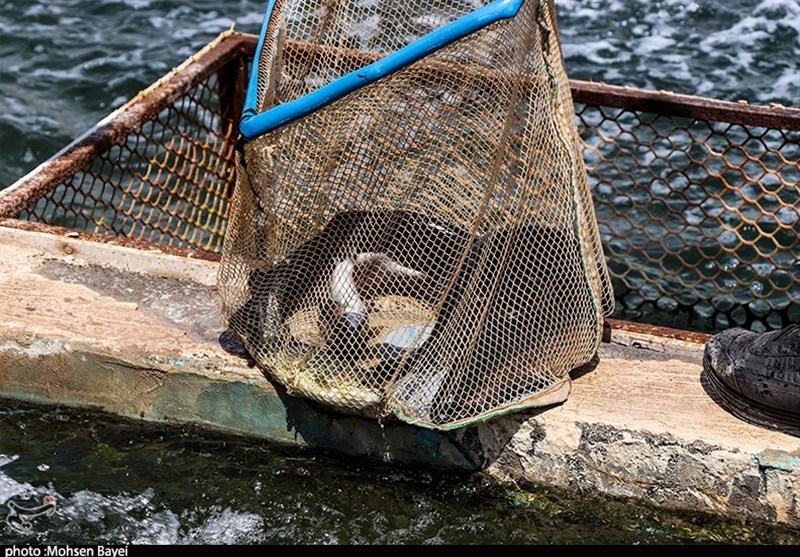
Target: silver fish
x,y
343,289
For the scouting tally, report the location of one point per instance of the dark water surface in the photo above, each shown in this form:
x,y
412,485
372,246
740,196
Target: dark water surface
x,y
64,65
122,482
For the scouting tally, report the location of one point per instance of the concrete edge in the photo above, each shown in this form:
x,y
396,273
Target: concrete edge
x,y
537,447
190,391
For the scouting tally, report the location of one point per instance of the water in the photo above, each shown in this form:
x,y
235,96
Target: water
x,y
122,482
65,64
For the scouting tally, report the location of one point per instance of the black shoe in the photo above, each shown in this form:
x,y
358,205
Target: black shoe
x,y
757,375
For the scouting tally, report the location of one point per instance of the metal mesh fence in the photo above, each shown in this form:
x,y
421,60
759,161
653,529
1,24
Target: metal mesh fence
x,y
698,215
159,170
168,183
699,218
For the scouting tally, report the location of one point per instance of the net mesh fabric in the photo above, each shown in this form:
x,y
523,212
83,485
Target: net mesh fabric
x,y
425,246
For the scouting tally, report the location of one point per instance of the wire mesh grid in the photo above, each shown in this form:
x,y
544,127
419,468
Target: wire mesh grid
x,y
167,183
698,216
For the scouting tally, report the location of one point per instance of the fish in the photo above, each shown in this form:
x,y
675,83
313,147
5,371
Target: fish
x,y
344,291
369,332
387,251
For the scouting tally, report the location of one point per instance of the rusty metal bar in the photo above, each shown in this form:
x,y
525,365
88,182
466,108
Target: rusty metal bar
x,y
653,330
688,106
347,59
119,124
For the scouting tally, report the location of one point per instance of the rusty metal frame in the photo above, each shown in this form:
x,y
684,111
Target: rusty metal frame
x,y
235,47
226,54
613,326
667,103
217,56
230,54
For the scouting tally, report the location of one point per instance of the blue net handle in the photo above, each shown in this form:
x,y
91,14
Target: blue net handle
x,y
253,124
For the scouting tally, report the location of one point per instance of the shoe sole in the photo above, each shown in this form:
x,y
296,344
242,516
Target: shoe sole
x,y
749,410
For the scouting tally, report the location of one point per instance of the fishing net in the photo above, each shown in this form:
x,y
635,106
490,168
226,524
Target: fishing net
x,y
412,231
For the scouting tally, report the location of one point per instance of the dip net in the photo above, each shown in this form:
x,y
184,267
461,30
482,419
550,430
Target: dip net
x,y
412,232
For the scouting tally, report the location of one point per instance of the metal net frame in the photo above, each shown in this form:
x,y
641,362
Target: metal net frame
x,y
158,171
698,203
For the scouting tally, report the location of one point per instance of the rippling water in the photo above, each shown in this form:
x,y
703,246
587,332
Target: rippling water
x,y
120,482
67,63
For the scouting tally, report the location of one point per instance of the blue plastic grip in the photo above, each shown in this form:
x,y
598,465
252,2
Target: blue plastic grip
x,y
253,125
